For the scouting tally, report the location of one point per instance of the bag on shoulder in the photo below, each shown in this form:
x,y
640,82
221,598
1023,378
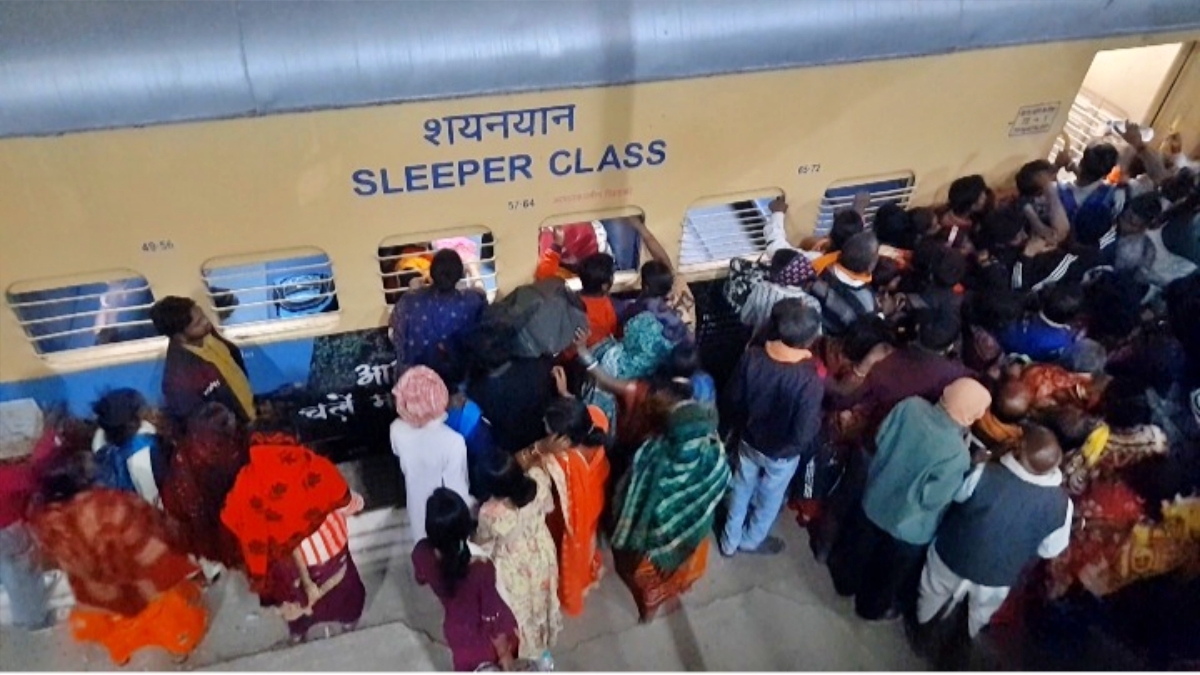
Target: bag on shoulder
x,y
743,275
545,315
1091,219
111,470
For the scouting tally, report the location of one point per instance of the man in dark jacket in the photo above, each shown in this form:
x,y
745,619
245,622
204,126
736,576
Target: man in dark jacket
x,y
923,368
201,366
844,288
775,402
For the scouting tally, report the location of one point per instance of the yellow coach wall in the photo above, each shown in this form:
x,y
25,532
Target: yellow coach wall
x,y
87,202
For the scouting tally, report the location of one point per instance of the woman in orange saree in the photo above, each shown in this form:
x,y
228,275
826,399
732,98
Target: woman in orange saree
x,y
574,458
132,583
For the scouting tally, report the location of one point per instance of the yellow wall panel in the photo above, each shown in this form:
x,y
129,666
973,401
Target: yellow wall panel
x,y
88,201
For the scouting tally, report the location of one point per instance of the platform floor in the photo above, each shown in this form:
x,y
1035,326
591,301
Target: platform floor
x,y
748,613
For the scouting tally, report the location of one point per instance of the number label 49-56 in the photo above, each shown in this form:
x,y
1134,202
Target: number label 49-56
x,y
158,246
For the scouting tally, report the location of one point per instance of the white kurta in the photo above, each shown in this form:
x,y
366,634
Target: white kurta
x,y
430,457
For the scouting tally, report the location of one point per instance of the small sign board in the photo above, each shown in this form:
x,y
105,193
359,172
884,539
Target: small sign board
x,y
1034,119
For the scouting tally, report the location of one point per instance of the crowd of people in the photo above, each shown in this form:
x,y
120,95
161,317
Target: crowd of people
x,y
991,405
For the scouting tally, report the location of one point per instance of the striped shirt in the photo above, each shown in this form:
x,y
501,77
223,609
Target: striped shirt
x,y
332,537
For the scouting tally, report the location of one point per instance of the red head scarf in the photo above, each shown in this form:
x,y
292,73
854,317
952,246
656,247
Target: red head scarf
x,y
579,242
280,498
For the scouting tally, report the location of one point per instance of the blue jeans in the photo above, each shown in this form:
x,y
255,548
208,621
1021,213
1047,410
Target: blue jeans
x,y
758,488
624,242
22,580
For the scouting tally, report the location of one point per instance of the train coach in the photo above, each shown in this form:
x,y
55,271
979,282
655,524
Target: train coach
x,y
277,162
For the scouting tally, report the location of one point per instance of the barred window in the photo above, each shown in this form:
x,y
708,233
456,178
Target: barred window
x,y
92,310
896,189
404,260
718,231
270,288
1088,119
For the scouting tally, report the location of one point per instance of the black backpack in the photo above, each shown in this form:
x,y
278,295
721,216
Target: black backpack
x,y
743,276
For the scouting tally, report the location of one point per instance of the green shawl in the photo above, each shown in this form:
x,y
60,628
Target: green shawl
x,y
666,508
635,357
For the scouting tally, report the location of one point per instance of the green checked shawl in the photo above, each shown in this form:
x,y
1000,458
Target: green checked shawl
x,y
666,507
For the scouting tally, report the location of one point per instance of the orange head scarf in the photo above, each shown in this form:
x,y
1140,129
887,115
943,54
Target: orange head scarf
x,y
965,400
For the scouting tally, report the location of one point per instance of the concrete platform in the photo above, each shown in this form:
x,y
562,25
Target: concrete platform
x,y
748,613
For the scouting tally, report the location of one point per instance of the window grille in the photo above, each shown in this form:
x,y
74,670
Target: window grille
x,y
271,288
405,259
719,232
109,308
897,190
1087,120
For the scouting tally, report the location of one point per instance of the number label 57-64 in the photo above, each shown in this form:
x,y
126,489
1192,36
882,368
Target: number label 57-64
x,y
520,204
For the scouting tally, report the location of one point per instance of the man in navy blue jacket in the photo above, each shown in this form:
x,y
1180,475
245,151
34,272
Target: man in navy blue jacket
x,y
775,404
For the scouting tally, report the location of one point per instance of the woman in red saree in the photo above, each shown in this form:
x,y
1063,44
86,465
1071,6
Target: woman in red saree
x,y
574,458
202,472
132,582
288,510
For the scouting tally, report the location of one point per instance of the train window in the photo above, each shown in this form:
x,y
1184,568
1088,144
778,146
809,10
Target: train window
x,y
1087,119
90,311
268,288
716,231
579,236
404,260
888,190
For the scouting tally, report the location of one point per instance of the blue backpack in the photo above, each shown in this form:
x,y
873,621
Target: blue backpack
x,y
469,422
112,468
1091,219
465,420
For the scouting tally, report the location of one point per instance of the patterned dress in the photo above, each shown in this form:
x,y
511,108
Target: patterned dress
x,y
1114,541
526,564
579,476
427,326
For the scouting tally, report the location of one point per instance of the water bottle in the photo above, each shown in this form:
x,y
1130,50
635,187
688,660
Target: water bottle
x,y
546,662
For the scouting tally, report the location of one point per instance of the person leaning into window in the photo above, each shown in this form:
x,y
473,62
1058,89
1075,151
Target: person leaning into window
x,y
201,366
428,323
